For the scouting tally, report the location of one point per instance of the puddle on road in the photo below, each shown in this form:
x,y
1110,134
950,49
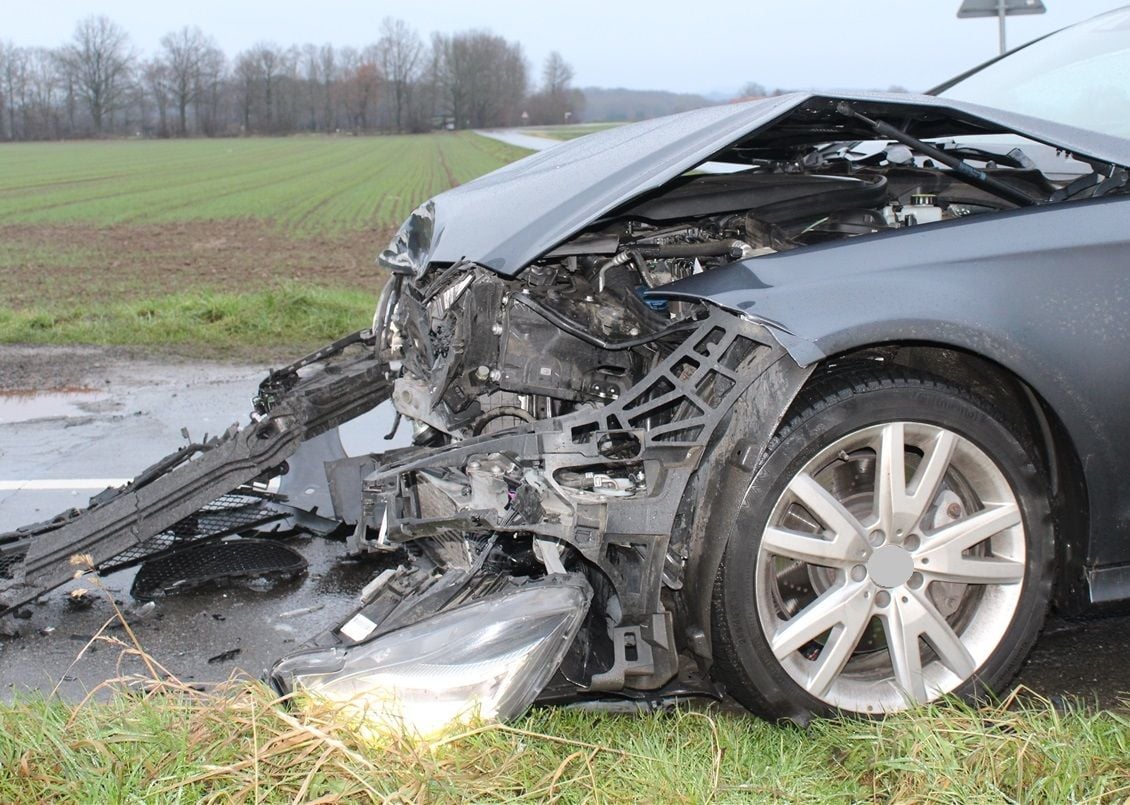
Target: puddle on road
x,y
24,405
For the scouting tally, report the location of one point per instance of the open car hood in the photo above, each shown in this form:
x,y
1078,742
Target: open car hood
x,y
510,217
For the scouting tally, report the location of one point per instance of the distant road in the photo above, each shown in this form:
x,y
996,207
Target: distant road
x,y
519,139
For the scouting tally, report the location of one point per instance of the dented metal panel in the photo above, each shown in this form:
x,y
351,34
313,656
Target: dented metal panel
x,y
506,219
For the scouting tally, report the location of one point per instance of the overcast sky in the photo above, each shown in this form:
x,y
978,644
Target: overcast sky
x,y
711,46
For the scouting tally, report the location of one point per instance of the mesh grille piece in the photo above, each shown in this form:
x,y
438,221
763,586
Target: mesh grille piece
x,y
226,515
202,563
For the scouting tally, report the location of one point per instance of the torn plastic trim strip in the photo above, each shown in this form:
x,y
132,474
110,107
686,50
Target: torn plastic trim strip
x,y
283,379
802,350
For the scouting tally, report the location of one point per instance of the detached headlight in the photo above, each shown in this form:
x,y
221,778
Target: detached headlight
x,y
411,246
488,659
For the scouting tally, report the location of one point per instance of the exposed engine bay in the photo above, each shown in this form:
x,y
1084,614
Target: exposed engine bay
x,y
480,353
547,535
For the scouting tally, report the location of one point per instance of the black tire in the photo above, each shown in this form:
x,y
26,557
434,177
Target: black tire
x,y
996,622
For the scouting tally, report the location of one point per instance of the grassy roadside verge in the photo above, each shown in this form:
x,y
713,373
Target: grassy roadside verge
x,y
284,318
239,745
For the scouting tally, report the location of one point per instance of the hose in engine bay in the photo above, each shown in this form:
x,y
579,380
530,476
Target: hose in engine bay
x,y
575,330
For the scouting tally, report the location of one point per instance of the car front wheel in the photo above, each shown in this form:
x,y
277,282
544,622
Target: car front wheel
x,y
894,547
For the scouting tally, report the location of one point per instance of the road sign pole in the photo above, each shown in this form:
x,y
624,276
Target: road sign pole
x,y
1001,9
1001,16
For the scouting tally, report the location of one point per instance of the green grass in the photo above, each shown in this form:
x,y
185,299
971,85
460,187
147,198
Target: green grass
x,y
304,185
183,244
15,254
239,745
295,313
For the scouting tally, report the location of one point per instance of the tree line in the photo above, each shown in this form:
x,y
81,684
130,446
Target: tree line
x,y
97,84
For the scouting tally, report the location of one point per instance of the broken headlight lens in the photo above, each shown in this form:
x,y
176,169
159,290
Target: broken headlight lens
x,y
411,246
486,660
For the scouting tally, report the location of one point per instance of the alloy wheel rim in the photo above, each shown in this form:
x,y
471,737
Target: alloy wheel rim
x,y
891,567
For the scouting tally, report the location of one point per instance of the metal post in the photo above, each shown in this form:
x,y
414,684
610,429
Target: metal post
x,y
1001,9
1001,16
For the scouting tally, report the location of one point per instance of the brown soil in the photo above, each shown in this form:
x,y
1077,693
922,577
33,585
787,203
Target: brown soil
x,y
51,368
68,264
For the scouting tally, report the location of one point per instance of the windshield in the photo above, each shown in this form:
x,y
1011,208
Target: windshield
x,y
1079,76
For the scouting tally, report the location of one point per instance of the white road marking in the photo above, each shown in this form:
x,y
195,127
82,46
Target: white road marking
x,y
61,483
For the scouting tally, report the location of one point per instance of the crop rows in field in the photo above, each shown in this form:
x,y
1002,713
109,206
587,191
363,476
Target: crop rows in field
x,y
303,185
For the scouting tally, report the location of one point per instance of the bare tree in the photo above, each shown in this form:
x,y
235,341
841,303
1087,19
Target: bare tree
x,y
100,60
509,85
399,50
94,85
16,91
211,86
156,74
312,84
245,83
29,94
445,88
556,75
752,89
42,113
266,87
288,91
329,86
68,83
423,101
269,63
9,76
360,85
182,54
481,77
5,48
557,101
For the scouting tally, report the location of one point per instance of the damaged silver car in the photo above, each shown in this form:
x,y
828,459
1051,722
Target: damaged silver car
x,y
816,401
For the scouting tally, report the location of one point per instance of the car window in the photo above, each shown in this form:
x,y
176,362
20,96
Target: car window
x,y
1079,76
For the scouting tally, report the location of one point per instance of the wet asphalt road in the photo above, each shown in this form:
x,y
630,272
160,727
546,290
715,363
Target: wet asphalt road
x,y
112,419
124,415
